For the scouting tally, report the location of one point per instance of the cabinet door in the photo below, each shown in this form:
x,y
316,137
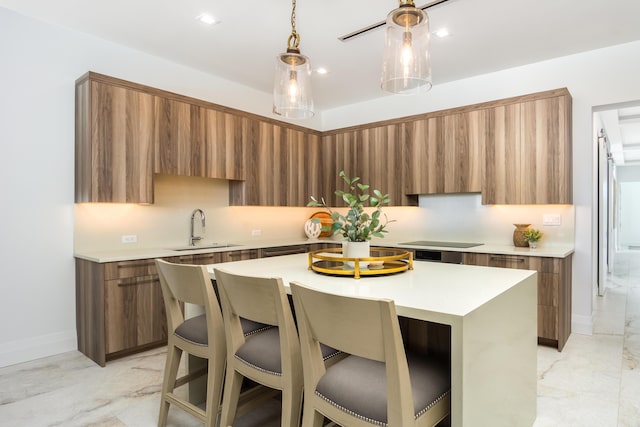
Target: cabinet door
x,y
114,144
179,138
445,154
226,143
377,155
134,313
502,182
546,151
426,152
279,163
529,153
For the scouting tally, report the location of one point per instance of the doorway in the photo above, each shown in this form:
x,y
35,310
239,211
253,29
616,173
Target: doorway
x,y
617,138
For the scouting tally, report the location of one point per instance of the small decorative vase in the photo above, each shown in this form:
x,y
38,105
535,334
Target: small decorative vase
x,y
518,235
312,229
533,245
356,250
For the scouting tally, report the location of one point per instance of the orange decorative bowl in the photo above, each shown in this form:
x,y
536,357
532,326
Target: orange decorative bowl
x,y
325,221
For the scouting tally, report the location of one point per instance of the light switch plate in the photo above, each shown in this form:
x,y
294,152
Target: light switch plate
x,y
551,219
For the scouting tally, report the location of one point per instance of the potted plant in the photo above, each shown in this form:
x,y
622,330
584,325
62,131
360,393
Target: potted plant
x,y
357,225
531,236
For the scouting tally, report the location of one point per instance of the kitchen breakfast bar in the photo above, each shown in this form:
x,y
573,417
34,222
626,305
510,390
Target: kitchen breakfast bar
x,y
491,314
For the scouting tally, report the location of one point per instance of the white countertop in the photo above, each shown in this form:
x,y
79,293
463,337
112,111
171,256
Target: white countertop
x,y
147,253
447,289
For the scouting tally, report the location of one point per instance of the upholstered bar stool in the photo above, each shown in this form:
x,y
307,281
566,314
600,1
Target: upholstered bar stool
x,y
378,384
201,336
269,357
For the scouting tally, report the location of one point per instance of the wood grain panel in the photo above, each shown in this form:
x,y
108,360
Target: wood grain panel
x,y
90,320
134,313
114,144
546,162
179,138
502,176
554,291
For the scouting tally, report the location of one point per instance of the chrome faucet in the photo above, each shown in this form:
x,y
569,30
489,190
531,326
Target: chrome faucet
x,y
192,238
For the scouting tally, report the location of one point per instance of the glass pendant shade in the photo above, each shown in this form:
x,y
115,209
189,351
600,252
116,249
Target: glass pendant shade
x,y
406,67
292,97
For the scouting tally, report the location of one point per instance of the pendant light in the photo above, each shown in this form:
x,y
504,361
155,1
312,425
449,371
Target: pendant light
x,y
292,96
406,67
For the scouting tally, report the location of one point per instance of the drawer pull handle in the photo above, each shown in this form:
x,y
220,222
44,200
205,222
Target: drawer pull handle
x,y
145,264
289,251
506,258
137,281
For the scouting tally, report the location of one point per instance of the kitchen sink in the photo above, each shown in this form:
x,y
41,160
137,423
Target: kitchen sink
x,y
210,246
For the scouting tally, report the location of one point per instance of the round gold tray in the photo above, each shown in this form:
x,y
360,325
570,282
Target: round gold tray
x,y
382,261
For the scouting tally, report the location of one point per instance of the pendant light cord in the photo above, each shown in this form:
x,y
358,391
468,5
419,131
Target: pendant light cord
x,y
294,38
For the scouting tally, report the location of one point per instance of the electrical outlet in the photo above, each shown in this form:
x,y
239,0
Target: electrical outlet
x,y
129,238
551,219
256,232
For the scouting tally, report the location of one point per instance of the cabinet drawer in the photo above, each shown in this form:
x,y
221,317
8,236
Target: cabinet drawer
x,y
124,269
283,250
239,255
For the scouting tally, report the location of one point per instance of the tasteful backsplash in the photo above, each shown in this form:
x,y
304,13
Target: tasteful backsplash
x,y
166,223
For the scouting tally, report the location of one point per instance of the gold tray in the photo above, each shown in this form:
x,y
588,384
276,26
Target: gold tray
x,y
383,261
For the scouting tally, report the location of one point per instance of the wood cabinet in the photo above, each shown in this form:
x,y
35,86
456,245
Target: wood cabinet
x,y
446,153
179,138
377,155
529,151
554,291
193,140
114,143
281,163
119,308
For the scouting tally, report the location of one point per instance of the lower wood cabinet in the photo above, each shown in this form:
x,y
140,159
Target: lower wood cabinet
x,y
554,291
119,308
119,305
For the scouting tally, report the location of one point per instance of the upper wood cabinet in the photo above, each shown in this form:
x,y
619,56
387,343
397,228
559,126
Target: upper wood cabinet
x,y
529,152
193,140
114,143
281,163
179,138
377,155
446,153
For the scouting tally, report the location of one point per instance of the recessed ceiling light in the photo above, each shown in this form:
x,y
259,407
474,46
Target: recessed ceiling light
x,y
321,70
443,32
207,19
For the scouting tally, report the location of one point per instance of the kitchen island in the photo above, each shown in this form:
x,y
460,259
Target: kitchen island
x,y
491,313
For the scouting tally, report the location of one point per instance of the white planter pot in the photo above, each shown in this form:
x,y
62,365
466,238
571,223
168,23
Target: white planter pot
x,y
356,250
312,230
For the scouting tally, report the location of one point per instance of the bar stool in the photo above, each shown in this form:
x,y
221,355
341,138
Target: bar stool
x,y
269,357
378,384
201,336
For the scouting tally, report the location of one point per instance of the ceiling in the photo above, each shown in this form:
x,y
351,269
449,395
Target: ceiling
x,y
622,129
486,35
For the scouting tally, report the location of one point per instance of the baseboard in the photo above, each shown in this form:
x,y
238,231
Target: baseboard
x,y
582,324
37,347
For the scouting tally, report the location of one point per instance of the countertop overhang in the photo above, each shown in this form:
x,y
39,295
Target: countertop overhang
x,y
448,289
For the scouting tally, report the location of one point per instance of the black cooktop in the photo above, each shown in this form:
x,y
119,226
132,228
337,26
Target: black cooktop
x,y
442,244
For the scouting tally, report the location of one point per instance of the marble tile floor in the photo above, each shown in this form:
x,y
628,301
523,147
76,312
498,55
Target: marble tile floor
x,y
594,381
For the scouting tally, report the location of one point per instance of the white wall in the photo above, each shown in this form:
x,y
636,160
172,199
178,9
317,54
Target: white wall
x,y
594,78
39,65
628,173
